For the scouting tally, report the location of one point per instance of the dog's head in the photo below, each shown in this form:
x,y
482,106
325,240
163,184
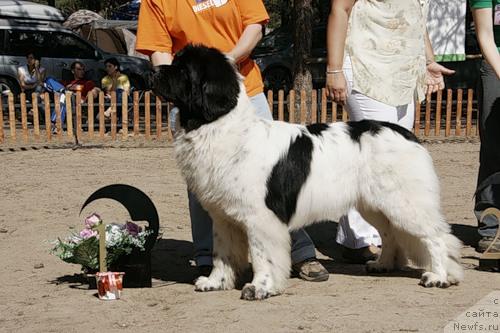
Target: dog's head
x,y
202,82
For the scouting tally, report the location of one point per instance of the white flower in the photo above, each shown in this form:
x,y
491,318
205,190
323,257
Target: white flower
x,y
114,234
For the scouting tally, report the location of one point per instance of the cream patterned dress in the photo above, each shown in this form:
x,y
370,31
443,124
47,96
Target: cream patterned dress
x,y
385,41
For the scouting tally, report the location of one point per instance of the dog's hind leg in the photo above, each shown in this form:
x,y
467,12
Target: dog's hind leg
x,y
386,260
427,241
230,257
270,255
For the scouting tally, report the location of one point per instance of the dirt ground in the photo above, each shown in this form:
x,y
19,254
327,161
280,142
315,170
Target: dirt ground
x,y
41,194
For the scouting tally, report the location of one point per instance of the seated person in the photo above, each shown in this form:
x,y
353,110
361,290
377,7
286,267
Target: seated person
x,y
31,75
114,81
80,83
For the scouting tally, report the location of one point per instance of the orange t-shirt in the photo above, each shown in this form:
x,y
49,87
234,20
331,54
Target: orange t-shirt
x,y
169,25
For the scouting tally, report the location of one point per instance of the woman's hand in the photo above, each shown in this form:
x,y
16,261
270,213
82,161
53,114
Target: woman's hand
x,y
434,80
336,87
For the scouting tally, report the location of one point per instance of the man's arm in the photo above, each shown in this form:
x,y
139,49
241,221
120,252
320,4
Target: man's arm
x,y
484,30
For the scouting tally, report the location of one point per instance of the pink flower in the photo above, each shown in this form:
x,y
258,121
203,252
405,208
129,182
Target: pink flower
x,y
132,228
88,233
92,220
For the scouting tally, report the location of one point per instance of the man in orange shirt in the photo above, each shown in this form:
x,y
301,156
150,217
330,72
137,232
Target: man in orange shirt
x,y
233,27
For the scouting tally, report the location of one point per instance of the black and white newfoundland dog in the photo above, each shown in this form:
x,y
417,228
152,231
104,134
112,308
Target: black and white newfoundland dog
x,y
259,179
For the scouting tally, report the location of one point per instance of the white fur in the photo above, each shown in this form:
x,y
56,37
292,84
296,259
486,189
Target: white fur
x,y
390,180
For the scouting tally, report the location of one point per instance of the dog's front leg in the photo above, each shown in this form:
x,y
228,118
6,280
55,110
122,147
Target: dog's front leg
x,y
269,244
230,256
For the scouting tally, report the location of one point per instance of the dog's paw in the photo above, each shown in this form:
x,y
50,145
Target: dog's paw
x,y
375,266
430,279
251,293
204,283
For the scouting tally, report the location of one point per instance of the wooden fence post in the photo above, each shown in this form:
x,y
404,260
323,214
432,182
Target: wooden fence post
x,y
323,105
458,128
48,120
427,128
281,106
12,117
147,115
270,101
291,107
36,117
449,103
470,96
158,117
136,113
90,115
69,115
2,135
125,115
439,102
303,107
57,110
102,125
78,111
314,106
416,126
113,115
24,117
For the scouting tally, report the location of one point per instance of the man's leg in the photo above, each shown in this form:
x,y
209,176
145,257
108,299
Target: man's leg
x,y
201,229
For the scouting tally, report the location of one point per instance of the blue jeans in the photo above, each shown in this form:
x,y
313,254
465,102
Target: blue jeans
x,y
201,224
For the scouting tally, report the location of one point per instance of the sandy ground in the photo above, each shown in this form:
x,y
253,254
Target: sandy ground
x,y
41,194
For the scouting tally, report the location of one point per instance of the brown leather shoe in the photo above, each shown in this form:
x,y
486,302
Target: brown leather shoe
x,y
311,270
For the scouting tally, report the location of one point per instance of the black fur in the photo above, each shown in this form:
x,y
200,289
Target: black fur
x,y
317,129
358,128
288,177
202,92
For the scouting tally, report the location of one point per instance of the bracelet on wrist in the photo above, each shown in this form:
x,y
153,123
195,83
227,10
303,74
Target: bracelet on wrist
x,y
335,71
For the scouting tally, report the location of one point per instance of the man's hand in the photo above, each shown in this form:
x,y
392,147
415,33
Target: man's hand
x,y
434,80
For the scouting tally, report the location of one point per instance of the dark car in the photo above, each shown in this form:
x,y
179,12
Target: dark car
x,y
58,47
274,55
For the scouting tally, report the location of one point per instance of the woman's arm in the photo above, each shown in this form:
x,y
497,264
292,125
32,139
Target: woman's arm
x,y
483,19
161,58
22,81
247,42
336,86
434,79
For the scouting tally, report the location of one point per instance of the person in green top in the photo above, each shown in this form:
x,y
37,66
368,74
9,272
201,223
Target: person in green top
x,y
486,14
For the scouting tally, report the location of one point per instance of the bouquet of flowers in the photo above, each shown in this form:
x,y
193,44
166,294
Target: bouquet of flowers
x,y
83,248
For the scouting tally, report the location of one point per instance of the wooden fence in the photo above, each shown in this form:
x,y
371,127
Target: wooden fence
x,y
143,115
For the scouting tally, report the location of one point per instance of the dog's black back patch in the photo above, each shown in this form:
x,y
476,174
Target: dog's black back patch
x,y
317,129
288,177
358,128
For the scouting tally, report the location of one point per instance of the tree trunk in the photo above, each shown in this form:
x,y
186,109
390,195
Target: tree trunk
x,y
302,50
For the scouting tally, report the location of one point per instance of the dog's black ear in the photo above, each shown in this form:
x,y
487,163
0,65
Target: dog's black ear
x,y
220,94
169,82
220,86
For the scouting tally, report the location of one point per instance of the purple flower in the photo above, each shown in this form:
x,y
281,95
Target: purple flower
x,y
92,220
132,228
88,233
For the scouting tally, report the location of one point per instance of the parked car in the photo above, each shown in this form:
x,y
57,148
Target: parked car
x,y
58,48
274,55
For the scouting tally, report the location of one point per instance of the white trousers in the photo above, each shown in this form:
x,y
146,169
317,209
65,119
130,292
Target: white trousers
x,y
353,231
